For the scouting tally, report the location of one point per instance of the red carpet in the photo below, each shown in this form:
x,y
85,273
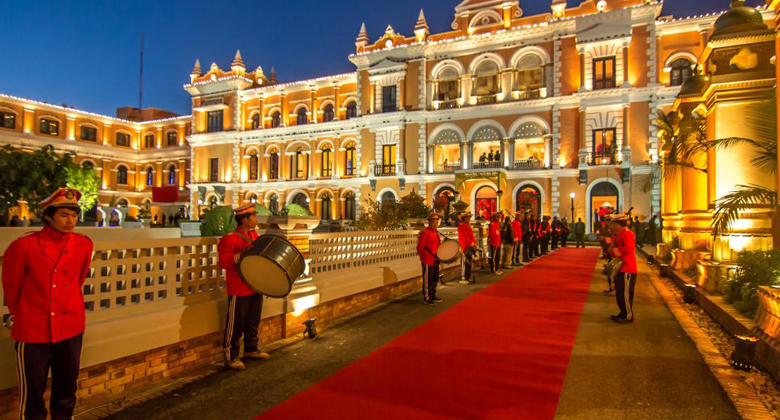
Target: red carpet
x,y
500,354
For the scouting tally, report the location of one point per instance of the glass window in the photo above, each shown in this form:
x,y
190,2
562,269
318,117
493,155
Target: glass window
x,y
604,73
149,176
448,85
149,141
486,82
276,119
349,160
299,165
303,116
389,99
273,172
215,123
87,164
328,114
352,110
173,138
327,162
682,69
604,146
255,121
253,166
214,173
88,133
273,204
123,139
7,119
172,174
50,127
350,206
121,175
326,207
388,160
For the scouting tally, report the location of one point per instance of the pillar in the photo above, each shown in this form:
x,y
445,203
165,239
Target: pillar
x,y
159,177
626,82
313,105
285,110
401,99
583,132
182,173
337,100
261,110
583,86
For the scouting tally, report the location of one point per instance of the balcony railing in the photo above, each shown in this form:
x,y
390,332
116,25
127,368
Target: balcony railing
x,y
528,95
448,104
448,168
384,170
487,99
488,165
597,159
529,164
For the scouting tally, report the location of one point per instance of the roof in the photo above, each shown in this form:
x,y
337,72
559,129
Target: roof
x,y
475,5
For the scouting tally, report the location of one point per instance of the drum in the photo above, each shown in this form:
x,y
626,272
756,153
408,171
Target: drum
x,y
449,251
271,266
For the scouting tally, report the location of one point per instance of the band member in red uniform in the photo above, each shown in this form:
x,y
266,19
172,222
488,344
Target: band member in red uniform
x,y
544,234
468,245
518,231
43,275
245,306
494,241
427,246
527,226
624,247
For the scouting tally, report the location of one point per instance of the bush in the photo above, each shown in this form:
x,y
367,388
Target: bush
x,y
755,268
295,210
262,210
218,222
413,205
387,215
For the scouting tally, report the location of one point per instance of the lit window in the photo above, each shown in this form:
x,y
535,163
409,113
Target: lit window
x,y
604,73
50,127
88,133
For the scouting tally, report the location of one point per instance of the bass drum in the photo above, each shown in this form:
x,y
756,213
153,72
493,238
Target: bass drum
x,y
271,266
449,251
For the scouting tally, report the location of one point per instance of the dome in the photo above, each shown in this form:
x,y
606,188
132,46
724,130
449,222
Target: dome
x,y
695,85
739,18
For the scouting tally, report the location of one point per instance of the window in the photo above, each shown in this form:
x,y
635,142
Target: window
x,y
50,127
389,99
276,119
604,73
486,82
88,133
149,141
387,197
7,119
123,139
122,203
255,121
273,172
214,170
253,166
388,160
350,206
299,165
173,138
529,74
604,146
303,116
172,174
87,165
327,162
301,199
352,110
215,121
349,160
213,202
273,204
328,114
149,176
682,69
447,85
326,207
121,175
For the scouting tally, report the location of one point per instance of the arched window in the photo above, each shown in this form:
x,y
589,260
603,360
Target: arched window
x,y
487,202
350,206
171,174
253,166
529,199
387,197
328,114
447,85
213,202
255,121
326,207
327,161
529,76
443,201
299,165
351,109
276,119
273,169
349,160
301,199
273,204
122,203
121,175
149,176
682,69
486,82
87,164
303,116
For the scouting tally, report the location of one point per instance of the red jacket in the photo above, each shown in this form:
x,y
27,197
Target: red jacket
x,y
428,245
466,236
625,242
230,245
494,234
518,228
43,275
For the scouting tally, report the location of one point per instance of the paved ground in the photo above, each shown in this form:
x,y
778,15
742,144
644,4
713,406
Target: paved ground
x,y
647,370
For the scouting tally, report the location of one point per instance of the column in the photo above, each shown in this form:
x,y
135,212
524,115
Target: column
x,y
506,85
337,100
373,97
70,127
626,127
313,105
511,154
548,151
626,82
469,155
285,110
236,173
137,178
583,142
182,173
28,120
159,177
261,110
583,86
465,89
464,155
401,153
503,151
106,173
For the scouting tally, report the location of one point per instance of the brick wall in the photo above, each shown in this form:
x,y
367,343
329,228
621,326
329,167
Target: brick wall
x,y
134,374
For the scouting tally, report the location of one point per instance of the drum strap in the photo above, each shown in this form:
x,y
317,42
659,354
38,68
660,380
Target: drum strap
x,y
244,237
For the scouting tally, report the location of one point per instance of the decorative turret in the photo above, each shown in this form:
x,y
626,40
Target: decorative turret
x,y
238,63
259,75
362,38
196,71
421,29
273,79
559,9
738,19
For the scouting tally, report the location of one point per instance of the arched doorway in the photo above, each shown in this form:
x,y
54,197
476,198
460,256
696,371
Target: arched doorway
x,y
442,202
302,200
486,202
604,199
529,198
387,197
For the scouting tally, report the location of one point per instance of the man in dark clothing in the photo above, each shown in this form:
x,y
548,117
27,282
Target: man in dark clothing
x,y
545,234
490,156
483,158
526,227
497,157
651,235
507,243
555,232
579,233
538,235
564,236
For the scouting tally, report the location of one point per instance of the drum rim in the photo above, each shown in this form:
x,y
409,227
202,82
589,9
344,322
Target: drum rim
x,y
290,281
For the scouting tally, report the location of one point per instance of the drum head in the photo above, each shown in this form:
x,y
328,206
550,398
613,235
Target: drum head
x,y
448,251
265,276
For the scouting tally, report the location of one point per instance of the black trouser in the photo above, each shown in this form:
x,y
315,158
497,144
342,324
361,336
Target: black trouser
x,y
554,241
563,240
243,319
545,244
580,240
33,361
430,279
517,252
495,258
526,250
466,261
624,293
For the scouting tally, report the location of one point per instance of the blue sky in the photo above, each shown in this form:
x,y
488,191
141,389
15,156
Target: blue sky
x,y
85,53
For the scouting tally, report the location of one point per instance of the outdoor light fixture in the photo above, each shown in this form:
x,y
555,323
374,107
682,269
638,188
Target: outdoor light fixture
x,y
689,293
311,330
744,352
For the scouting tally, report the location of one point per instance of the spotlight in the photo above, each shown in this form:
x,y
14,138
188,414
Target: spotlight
x,y
744,352
311,330
689,293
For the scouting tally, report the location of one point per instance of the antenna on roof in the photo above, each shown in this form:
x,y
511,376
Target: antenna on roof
x,y
141,84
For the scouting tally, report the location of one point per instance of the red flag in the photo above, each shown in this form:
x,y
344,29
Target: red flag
x,y
165,194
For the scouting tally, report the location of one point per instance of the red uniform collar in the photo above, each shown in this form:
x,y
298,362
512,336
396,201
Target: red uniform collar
x,y
54,235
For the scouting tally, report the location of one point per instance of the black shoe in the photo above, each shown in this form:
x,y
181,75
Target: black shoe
x,y
437,300
428,302
623,320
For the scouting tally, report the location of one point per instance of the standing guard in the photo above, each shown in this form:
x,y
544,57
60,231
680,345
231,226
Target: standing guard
x,y
517,228
526,227
555,232
544,231
494,241
43,276
245,306
468,245
427,246
624,247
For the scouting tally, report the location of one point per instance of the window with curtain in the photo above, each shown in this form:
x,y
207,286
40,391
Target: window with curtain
x,y
303,116
327,162
255,121
149,176
7,119
149,141
529,73
349,160
50,127
214,170
388,159
253,166
448,85
604,146
273,204
215,122
121,175
276,119
328,114
682,69
350,206
351,110
299,167
326,207
486,82
604,73
172,174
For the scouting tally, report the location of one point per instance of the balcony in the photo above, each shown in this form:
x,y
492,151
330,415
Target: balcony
x,y
447,104
529,95
599,159
448,168
528,164
488,165
487,99
384,170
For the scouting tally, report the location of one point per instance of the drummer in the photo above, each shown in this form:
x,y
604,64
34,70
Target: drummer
x,y
468,244
245,306
427,245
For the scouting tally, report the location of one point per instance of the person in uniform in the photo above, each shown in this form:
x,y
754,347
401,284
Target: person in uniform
x,y
544,232
624,247
555,232
468,245
538,235
526,227
427,245
43,276
245,306
564,231
494,241
517,229
507,243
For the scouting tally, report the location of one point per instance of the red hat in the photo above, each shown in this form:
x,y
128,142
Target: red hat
x,y
64,197
245,209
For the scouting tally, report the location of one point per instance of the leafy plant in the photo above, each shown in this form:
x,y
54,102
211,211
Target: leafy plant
x,y
755,268
414,206
262,210
218,221
295,210
385,215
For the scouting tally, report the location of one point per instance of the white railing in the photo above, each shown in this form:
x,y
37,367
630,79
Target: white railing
x,y
342,251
